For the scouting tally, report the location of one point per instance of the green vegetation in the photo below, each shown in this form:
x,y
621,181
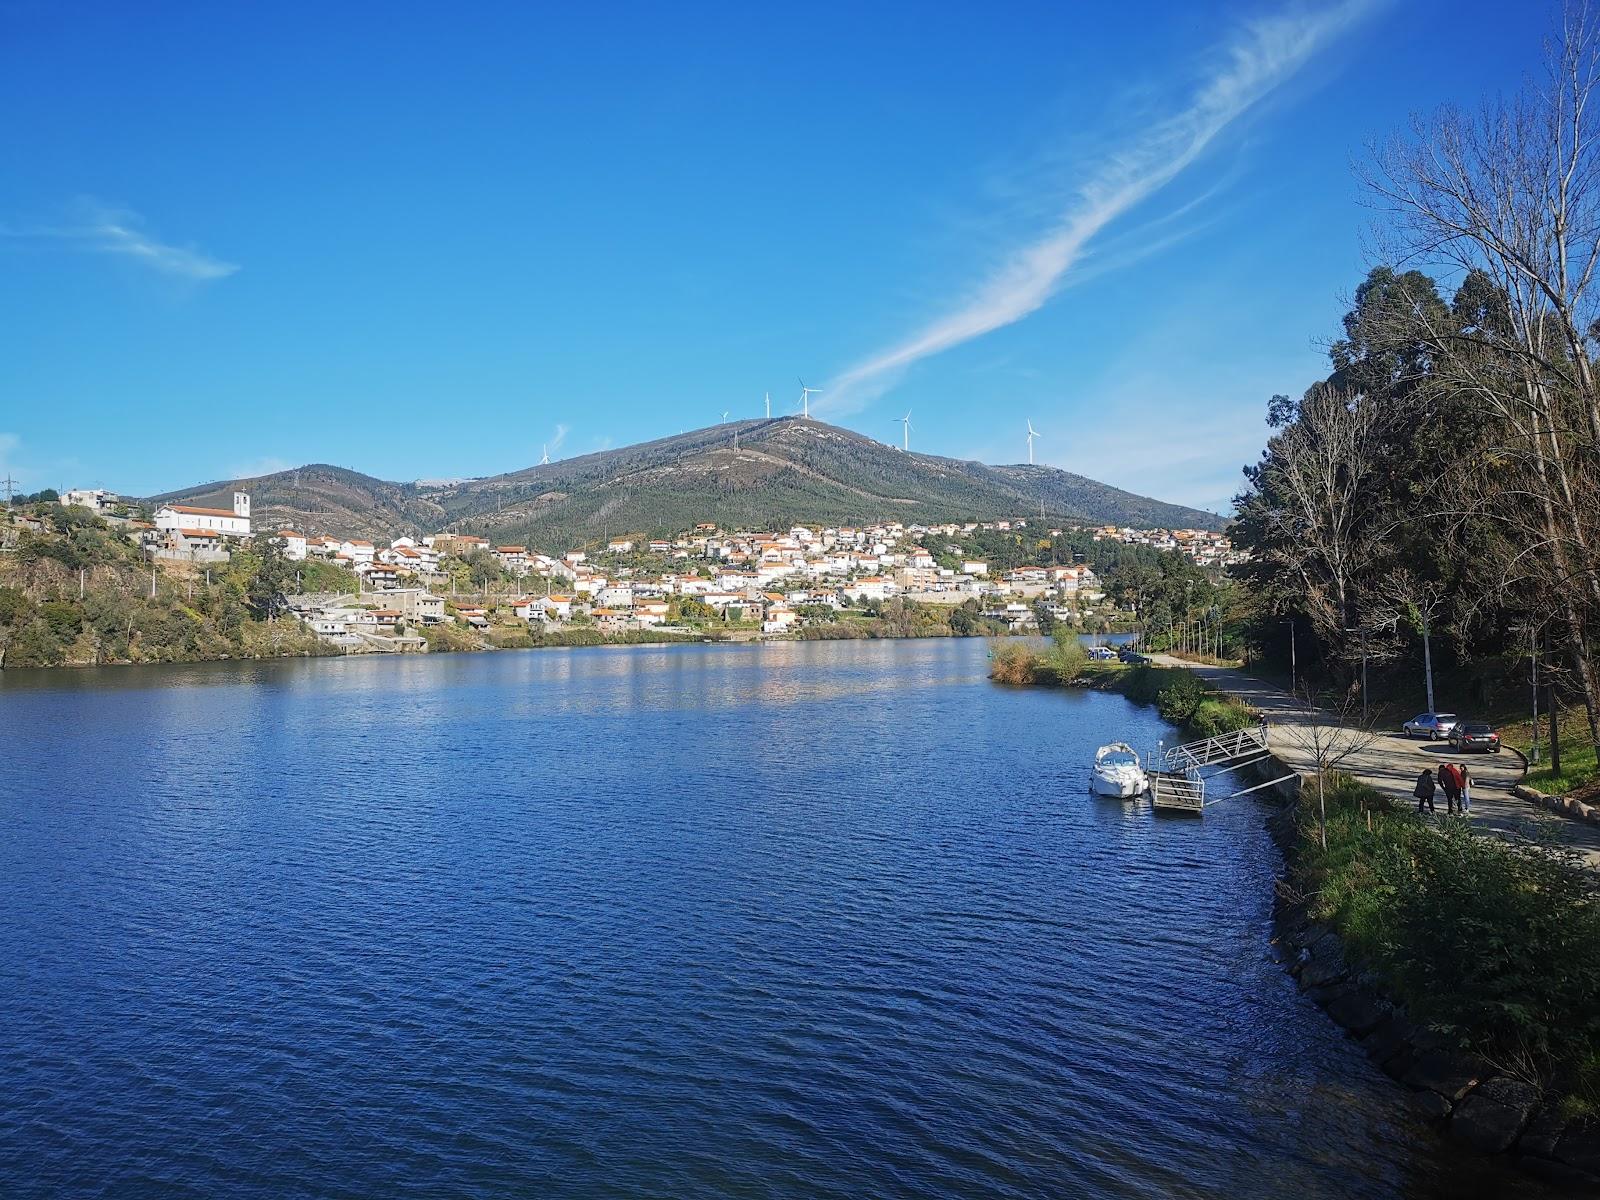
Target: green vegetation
x,y
1435,496
448,636
318,575
896,618
1496,943
592,637
80,593
1178,695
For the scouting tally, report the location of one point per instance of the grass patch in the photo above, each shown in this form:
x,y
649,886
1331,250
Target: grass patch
x,y
1494,943
1578,771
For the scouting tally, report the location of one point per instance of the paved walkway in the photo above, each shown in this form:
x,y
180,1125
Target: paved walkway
x,y
1392,762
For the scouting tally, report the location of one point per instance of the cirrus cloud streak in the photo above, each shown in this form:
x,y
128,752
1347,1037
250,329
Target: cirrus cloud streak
x,y
1263,56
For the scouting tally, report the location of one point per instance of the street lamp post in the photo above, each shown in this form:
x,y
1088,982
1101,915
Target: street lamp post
x,y
1294,671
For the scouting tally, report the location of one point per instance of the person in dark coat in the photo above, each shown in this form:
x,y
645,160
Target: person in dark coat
x,y
1424,790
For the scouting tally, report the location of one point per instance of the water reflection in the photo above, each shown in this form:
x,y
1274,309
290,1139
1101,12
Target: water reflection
x,y
807,920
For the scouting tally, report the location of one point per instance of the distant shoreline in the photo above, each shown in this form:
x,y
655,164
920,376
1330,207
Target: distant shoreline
x,y
629,644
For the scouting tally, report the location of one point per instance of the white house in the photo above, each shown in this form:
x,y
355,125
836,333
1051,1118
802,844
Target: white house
x,y
193,545
873,587
170,517
553,608
358,552
779,620
294,544
92,498
513,558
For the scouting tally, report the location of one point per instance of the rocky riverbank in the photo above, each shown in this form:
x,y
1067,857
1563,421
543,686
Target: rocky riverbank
x,y
1470,1099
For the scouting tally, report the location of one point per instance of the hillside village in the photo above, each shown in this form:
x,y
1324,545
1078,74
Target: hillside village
x,y
751,583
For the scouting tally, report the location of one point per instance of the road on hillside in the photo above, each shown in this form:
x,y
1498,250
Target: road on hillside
x,y
1392,762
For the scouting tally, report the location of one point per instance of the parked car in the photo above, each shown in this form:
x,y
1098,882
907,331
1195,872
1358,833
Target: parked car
x,y
1433,726
1102,653
1132,657
1475,735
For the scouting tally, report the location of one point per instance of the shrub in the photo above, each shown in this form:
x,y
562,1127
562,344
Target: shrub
x,y
1067,659
1014,663
1496,943
1216,714
1181,699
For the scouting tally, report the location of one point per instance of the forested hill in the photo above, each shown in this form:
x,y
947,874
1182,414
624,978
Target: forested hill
x,y
746,473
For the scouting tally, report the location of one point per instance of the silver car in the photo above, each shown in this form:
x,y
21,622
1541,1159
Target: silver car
x,y
1433,726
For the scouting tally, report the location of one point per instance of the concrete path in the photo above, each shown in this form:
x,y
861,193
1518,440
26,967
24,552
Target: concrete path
x,y
1392,762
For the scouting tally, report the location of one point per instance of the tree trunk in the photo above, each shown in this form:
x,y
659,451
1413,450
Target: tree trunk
x,y
1427,661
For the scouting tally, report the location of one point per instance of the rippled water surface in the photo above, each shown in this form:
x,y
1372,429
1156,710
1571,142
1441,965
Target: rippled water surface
x,y
807,920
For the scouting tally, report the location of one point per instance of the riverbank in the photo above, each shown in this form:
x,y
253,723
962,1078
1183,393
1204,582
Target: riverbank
x,y
259,641
1463,954
1177,695
1467,967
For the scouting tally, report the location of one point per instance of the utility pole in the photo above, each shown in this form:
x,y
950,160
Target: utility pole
x,y
1533,668
11,487
1552,703
1363,674
1294,669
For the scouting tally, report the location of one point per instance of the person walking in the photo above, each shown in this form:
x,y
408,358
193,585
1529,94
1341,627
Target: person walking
x,y
1424,790
1466,788
1450,783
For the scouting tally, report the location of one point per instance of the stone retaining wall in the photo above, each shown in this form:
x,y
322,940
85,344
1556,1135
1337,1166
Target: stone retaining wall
x,y
1471,1100
1467,1097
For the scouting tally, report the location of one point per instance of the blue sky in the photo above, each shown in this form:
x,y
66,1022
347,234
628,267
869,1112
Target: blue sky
x,y
427,240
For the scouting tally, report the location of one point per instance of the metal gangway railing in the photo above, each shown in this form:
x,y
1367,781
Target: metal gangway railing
x,y
1181,790
1177,776
1225,749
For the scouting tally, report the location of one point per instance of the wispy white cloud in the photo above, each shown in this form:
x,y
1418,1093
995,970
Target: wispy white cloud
x,y
558,439
1264,55
255,469
97,229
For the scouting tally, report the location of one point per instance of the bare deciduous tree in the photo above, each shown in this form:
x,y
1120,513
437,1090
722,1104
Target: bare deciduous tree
x,y
1330,733
1321,474
1511,195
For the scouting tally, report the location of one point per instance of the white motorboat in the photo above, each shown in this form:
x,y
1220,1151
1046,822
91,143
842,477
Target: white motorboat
x,y
1117,772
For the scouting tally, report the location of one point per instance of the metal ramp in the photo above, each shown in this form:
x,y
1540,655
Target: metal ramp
x,y
1178,779
1226,749
1178,791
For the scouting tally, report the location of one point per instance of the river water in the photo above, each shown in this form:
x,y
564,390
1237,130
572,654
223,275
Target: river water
x,y
795,920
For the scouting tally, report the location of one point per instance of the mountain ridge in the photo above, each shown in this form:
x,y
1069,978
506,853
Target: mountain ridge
x,y
753,473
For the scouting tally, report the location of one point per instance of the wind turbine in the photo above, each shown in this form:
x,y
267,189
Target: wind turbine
x,y
724,416
769,406
905,432
1032,433
544,461
805,399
